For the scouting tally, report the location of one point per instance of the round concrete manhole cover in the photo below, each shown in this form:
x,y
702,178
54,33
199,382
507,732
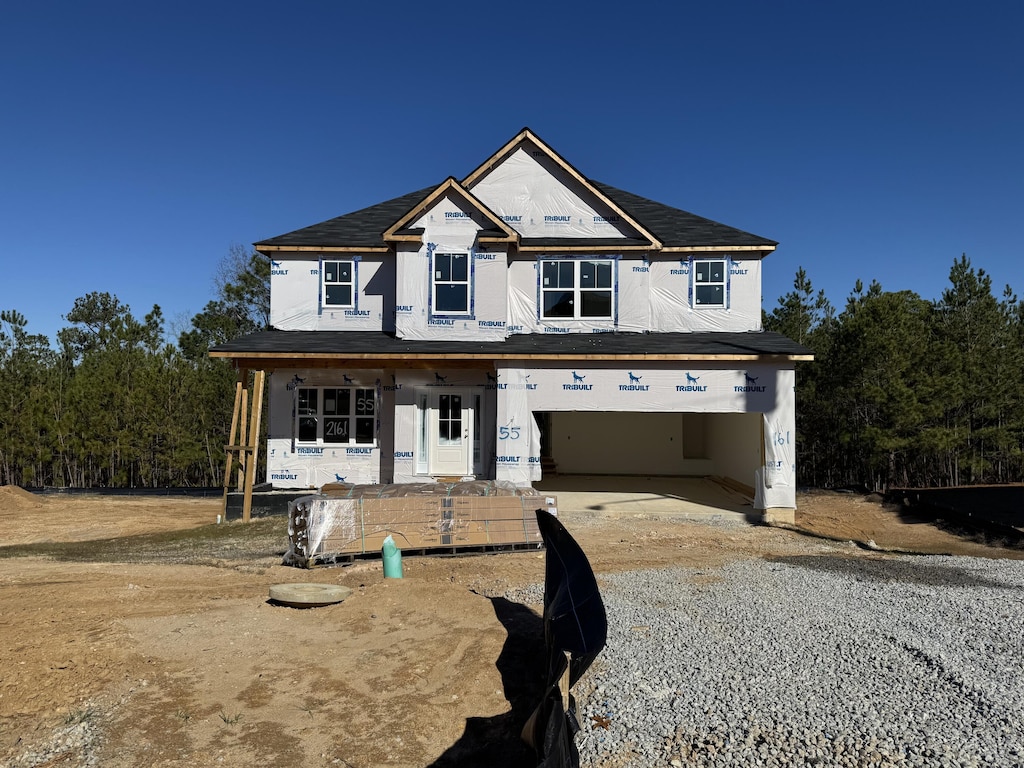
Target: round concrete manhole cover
x,y
308,595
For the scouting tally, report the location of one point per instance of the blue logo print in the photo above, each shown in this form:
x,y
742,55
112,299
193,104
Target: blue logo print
x,y
634,384
577,383
750,384
691,385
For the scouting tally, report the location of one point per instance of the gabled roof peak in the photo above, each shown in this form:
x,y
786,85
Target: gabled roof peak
x,y
656,227
528,135
445,188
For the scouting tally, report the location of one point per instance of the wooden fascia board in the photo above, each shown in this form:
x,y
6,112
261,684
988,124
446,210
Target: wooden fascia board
x,y
254,360
511,236
496,158
449,184
716,248
583,248
389,233
525,134
268,249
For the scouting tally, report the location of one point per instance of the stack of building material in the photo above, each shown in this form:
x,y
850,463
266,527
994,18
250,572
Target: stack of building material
x,y
342,522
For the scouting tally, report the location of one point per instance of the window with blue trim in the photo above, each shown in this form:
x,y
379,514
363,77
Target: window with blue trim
x,y
450,283
577,289
338,283
710,282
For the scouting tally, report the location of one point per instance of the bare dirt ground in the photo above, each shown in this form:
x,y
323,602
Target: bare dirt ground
x,y
137,632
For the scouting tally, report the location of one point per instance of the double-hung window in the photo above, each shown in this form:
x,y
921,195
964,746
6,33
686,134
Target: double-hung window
x,y
577,289
450,283
338,283
710,282
336,415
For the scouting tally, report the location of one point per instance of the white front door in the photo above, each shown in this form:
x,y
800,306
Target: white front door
x,y
450,433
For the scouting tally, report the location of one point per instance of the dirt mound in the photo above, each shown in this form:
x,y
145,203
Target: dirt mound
x,y
11,496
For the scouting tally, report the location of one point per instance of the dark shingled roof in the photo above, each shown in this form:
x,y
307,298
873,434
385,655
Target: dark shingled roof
x,y
674,227
362,228
607,345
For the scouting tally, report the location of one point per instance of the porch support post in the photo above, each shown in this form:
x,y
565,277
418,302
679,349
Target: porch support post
x,y
241,382
243,439
253,443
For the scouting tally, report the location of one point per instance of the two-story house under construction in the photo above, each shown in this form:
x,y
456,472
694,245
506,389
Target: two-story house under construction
x,y
524,317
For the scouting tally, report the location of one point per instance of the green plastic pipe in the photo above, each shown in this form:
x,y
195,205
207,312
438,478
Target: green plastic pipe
x,y
392,559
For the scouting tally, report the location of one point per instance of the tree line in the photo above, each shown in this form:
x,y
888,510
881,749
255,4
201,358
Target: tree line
x,y
113,404
902,391
906,392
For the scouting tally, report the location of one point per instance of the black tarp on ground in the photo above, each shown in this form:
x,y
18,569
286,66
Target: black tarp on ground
x,y
575,627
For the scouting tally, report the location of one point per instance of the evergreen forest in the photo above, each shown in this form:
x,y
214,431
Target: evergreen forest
x,y
906,392
903,391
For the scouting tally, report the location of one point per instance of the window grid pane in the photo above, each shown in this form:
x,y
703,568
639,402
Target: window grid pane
x,y
338,283
307,402
596,304
709,276
566,274
338,295
710,295
307,429
588,274
347,415
449,419
451,282
336,430
364,430
460,271
576,289
364,402
443,270
558,304
451,298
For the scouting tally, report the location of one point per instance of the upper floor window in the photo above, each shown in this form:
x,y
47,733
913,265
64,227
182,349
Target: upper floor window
x,y
338,283
450,283
336,415
576,289
710,282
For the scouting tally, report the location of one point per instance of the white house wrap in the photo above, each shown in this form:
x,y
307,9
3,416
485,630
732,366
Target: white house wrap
x,y
523,320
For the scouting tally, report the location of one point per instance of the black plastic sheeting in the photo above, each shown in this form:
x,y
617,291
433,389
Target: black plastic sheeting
x,y
575,623
980,505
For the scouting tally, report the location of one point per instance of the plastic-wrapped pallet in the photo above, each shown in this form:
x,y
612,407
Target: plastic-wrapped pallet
x,y
344,521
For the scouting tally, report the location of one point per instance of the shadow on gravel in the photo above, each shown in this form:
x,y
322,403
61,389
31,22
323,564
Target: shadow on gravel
x,y
496,741
903,571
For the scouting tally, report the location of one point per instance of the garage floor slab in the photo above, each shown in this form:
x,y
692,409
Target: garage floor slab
x,y
699,498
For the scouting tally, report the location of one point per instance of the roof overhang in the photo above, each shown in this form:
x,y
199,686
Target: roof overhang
x,y
269,361
268,249
718,249
325,349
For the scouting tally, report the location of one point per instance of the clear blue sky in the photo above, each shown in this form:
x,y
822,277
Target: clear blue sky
x,y
139,141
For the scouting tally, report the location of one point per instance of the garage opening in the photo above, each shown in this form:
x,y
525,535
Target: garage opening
x,y
634,443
